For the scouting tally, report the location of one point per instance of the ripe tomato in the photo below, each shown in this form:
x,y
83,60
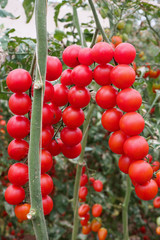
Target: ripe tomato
x,y
18,126
66,77
60,97
81,75
125,53
137,168
51,129
157,179
55,147
102,233
124,163
155,166
83,210
46,184
148,191
102,52
116,141
83,191
71,152
148,158
132,123
129,100
20,103
22,210
18,174
110,119
136,147
158,230
57,113
70,55
53,68
46,161
73,117
85,56
83,180
46,137
156,202
71,137
116,40
85,219
142,229
79,97
106,97
18,149
47,114
49,92
101,74
14,194
47,204
96,224
19,80
122,76
96,210
98,186
86,229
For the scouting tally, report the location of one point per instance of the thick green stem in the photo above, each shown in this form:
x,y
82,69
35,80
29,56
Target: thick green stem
x,y
78,173
98,24
125,210
36,212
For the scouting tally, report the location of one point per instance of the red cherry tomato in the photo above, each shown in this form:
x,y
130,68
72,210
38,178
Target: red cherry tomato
x,y
22,210
106,97
71,137
46,184
125,53
102,233
110,119
129,100
83,180
97,210
20,103
46,161
96,224
136,147
101,74
116,40
155,166
71,152
116,142
156,202
86,229
79,97
148,158
158,230
19,80
55,147
102,52
46,137
81,75
85,219
147,191
47,204
66,77
49,91
14,194
157,179
18,149
18,174
83,191
47,114
122,76
85,56
83,210
124,163
98,186
57,113
70,55
73,117
60,97
53,68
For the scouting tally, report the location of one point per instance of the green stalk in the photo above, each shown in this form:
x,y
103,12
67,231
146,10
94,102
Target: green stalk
x,y
36,212
125,209
94,38
78,172
98,24
154,101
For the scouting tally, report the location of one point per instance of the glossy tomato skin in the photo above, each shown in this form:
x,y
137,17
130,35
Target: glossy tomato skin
x,y
71,137
83,180
157,179
57,113
18,174
110,119
18,127
96,224
79,97
83,210
70,55
106,97
147,191
116,141
122,76
55,147
97,210
156,202
49,92
129,100
98,186
101,74
82,75
73,117
22,210
20,103
102,233
46,137
132,123
85,56
102,52
125,53
19,80
66,77
46,161
71,152
47,114
124,163
116,40
136,147
47,204
86,229
140,171
53,68
155,166
18,149
84,221
60,97
14,194
83,191
46,184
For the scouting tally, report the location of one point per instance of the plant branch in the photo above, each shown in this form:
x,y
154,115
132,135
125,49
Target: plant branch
x,y
98,24
36,212
94,38
78,172
155,100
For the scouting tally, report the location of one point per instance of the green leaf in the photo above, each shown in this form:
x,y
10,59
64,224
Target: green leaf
x,y
57,10
3,3
61,203
56,232
28,6
59,35
4,13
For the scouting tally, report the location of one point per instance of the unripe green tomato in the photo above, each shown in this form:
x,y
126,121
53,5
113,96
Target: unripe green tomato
x,y
103,12
117,12
158,221
121,25
128,27
125,37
